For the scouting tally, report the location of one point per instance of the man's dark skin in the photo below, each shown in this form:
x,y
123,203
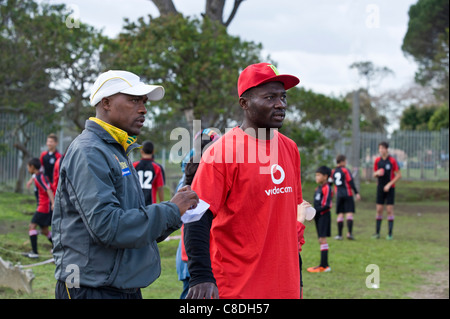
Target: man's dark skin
x,y
127,112
264,107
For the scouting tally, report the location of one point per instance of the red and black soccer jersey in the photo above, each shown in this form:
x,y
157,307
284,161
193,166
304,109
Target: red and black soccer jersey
x,y
390,166
48,160
343,182
42,184
323,198
150,178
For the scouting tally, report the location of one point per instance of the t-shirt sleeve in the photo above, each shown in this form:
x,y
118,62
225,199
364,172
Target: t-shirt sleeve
x,y
211,185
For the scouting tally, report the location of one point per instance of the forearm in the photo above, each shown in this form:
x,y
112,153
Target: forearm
x,y
196,240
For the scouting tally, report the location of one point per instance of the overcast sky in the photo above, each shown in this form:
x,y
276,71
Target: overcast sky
x,y
315,40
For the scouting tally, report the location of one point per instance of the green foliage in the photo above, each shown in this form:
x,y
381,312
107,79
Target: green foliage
x,y
427,42
440,118
425,118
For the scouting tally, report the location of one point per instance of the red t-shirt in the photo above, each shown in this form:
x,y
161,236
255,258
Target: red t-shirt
x,y
254,241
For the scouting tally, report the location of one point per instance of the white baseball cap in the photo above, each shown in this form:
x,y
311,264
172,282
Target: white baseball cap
x,y
116,81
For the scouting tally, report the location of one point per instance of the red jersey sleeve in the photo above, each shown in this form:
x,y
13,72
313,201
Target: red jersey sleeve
x,y
375,164
211,186
394,163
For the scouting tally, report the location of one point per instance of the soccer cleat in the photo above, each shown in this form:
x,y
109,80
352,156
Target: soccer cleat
x,y
376,236
389,237
350,236
319,269
31,255
338,237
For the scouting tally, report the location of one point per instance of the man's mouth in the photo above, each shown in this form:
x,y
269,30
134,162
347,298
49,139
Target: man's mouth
x,y
140,121
279,116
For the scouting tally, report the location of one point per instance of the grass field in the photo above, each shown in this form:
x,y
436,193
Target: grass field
x,y
414,264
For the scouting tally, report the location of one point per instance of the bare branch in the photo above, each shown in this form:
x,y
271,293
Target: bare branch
x,y
237,3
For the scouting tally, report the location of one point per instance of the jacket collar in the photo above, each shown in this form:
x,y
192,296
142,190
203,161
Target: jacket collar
x,y
112,134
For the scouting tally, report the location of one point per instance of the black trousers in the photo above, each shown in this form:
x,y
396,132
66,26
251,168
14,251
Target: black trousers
x,y
63,292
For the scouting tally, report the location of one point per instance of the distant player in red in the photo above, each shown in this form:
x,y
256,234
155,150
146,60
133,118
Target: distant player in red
x,y
246,245
150,175
48,159
45,200
322,203
387,172
344,186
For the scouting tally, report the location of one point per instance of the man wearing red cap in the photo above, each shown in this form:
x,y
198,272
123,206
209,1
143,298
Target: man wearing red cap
x,y
246,245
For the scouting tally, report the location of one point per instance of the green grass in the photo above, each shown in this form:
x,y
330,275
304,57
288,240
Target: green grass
x,y
420,247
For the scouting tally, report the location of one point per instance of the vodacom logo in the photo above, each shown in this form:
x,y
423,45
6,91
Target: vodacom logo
x,y
277,181
274,169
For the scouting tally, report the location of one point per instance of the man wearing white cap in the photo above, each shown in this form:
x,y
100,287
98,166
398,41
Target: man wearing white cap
x,y
103,234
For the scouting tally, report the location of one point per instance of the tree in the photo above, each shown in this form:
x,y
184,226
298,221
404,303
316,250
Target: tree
x,y
214,10
440,119
415,118
370,72
27,54
196,61
45,67
426,40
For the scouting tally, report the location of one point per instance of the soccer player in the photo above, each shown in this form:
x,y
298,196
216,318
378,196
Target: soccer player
x,y
246,244
48,159
387,172
150,175
45,200
343,186
322,203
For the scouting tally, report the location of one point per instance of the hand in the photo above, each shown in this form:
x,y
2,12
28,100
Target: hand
x,y
205,290
387,187
358,197
185,199
301,211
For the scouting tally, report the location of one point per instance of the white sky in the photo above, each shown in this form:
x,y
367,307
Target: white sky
x,y
315,40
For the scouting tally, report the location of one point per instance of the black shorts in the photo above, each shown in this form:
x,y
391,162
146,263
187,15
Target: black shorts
x,y
345,204
385,197
323,224
42,219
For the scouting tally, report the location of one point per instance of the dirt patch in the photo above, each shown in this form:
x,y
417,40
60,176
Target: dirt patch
x,y
10,226
437,287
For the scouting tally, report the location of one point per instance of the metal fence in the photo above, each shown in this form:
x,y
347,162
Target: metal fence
x,y
10,156
421,155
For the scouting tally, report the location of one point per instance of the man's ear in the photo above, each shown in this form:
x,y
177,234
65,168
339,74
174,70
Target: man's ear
x,y
243,102
105,103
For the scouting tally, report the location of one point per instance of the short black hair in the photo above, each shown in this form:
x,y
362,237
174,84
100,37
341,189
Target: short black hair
x,y
340,158
324,170
384,144
147,147
35,162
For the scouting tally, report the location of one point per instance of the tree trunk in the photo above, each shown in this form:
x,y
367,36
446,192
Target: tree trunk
x,y
165,7
213,10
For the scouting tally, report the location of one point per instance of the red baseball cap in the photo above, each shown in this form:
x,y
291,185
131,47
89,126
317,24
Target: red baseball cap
x,y
260,73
